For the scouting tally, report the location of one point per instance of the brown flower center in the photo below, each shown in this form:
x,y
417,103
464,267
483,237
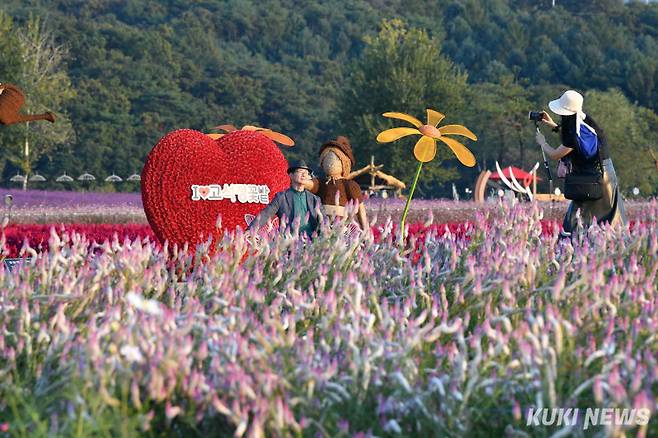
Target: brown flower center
x,y
429,131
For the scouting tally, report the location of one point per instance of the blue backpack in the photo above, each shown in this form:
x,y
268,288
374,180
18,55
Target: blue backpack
x,y
588,142
586,184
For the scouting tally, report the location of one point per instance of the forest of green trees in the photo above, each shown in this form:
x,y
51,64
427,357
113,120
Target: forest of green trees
x,y
122,73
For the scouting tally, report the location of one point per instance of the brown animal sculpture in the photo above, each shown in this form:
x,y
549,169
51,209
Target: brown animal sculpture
x,y
336,160
11,101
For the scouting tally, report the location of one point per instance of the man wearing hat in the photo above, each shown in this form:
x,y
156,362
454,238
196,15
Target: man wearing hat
x,y
294,204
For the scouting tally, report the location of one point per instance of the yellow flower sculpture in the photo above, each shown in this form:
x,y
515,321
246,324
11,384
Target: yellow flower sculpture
x,y
425,149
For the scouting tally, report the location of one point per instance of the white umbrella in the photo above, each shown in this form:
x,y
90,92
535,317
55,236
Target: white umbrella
x,y
134,177
37,178
64,178
86,177
113,178
17,178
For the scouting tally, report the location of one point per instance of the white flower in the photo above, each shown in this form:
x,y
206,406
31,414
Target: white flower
x,y
392,427
402,381
132,353
437,385
148,306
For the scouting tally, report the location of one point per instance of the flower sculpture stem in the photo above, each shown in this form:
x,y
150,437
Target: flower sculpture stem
x,y
411,194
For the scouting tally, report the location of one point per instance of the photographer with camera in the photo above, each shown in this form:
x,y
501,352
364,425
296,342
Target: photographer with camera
x,y
590,181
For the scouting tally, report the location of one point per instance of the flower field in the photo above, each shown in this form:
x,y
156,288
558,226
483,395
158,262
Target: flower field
x,y
23,239
57,207
454,333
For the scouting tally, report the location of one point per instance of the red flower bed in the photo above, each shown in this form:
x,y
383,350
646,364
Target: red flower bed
x,y
418,230
38,234
459,230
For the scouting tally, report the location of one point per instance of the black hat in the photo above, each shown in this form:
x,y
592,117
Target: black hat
x,y
298,164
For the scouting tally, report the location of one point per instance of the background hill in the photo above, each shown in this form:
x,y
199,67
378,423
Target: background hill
x,y
125,72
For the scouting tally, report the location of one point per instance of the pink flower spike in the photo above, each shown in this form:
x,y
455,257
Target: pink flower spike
x,y
516,410
171,411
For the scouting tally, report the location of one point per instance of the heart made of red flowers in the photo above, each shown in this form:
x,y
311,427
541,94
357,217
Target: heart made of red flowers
x,y
186,158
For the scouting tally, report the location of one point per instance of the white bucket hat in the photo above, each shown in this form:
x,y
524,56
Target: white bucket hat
x,y
571,102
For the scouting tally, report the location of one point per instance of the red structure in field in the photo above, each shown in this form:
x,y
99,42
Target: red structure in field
x,y
521,175
514,178
195,185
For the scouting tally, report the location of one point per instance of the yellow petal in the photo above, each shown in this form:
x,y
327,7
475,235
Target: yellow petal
x,y
465,156
406,117
425,149
434,117
215,136
279,138
457,130
393,134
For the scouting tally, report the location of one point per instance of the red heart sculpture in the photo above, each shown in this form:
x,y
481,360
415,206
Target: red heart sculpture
x,y
186,158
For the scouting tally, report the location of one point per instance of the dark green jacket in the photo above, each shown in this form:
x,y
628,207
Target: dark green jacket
x,y
281,206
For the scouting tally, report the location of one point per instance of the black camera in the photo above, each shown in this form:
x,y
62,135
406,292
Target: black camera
x,y
536,116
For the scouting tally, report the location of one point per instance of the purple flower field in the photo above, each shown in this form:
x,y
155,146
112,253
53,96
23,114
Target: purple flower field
x,y
61,198
54,207
335,337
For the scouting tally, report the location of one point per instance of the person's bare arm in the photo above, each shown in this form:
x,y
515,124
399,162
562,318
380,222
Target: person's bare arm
x,y
552,153
556,154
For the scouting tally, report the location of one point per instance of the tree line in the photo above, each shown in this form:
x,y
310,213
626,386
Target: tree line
x,y
122,73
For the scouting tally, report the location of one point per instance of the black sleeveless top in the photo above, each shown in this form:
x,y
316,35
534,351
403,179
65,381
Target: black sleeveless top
x,y
570,140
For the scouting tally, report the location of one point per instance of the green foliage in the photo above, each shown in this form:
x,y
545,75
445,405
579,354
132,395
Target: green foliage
x,y
630,131
499,113
9,50
137,69
401,69
9,68
39,72
43,78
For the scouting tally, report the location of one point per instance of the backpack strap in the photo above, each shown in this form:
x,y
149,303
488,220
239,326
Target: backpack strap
x,y
598,152
598,145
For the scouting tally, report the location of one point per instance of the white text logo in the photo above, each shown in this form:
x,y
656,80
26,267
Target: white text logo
x,y
593,417
243,193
